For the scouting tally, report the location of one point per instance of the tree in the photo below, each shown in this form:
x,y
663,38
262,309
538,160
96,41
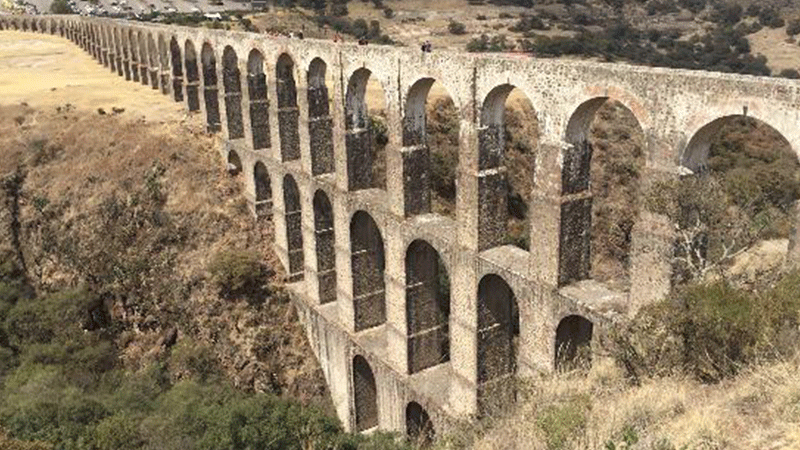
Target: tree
x,y
61,7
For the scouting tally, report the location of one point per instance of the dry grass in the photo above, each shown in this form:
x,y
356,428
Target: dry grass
x,y
759,409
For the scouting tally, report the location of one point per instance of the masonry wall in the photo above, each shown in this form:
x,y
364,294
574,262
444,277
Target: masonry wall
x,y
280,114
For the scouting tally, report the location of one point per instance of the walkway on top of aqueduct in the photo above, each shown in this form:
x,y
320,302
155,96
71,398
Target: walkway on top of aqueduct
x,y
400,350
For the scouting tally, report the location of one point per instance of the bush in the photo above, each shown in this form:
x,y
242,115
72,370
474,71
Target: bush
x,y
561,422
237,272
694,6
388,13
456,27
727,13
789,73
793,27
61,7
769,17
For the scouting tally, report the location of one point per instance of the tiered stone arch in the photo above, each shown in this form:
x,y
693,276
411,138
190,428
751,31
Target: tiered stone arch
x,y
498,331
325,243
232,84
210,88
320,123
259,100
493,191
367,266
263,190
192,77
294,228
177,69
575,194
427,307
416,152
288,111
365,395
359,143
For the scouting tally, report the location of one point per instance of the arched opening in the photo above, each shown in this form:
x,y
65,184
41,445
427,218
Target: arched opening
x,y
430,155
366,133
126,55
259,101
740,189
419,427
320,123
177,69
152,52
600,193
365,395
507,141
24,25
573,343
232,83
498,336
62,32
210,94
367,264
133,46
326,247
33,26
263,187
294,228
53,27
234,163
163,56
192,77
143,59
288,112
119,54
427,307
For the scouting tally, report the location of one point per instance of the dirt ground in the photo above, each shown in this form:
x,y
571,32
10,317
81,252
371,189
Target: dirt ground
x,y
49,71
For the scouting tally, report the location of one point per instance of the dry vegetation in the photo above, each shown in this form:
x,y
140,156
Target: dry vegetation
x,y
134,212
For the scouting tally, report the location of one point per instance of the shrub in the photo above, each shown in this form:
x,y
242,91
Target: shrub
x,y
769,17
388,13
793,27
727,13
789,73
694,6
61,7
562,422
456,27
237,272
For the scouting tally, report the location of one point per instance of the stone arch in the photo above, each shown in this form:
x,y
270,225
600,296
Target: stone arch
x,y
53,27
497,199
325,247
120,57
421,154
419,427
192,77
143,58
34,26
234,163
573,342
259,100
365,395
362,159
263,188
427,307
320,123
177,69
288,112
498,332
367,264
580,198
163,57
294,228
210,89
134,49
152,53
232,84
61,30
696,153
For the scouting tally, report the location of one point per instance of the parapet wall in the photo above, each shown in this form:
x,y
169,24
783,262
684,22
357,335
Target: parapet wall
x,y
364,261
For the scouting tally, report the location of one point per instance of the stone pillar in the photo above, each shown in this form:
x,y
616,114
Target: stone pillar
x,y
396,322
652,250
793,255
545,221
245,103
464,334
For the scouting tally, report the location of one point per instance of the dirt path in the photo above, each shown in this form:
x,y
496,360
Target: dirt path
x,y
49,71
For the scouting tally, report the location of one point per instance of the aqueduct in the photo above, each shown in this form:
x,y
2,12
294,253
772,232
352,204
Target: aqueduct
x,y
400,349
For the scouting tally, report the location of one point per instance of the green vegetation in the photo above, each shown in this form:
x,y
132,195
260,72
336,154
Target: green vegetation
x,y
455,27
562,422
712,331
238,273
61,7
63,383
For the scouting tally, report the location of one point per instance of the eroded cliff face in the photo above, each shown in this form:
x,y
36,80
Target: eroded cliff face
x,y
134,211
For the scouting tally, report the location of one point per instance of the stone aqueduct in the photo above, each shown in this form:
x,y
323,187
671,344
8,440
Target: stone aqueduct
x,y
364,263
